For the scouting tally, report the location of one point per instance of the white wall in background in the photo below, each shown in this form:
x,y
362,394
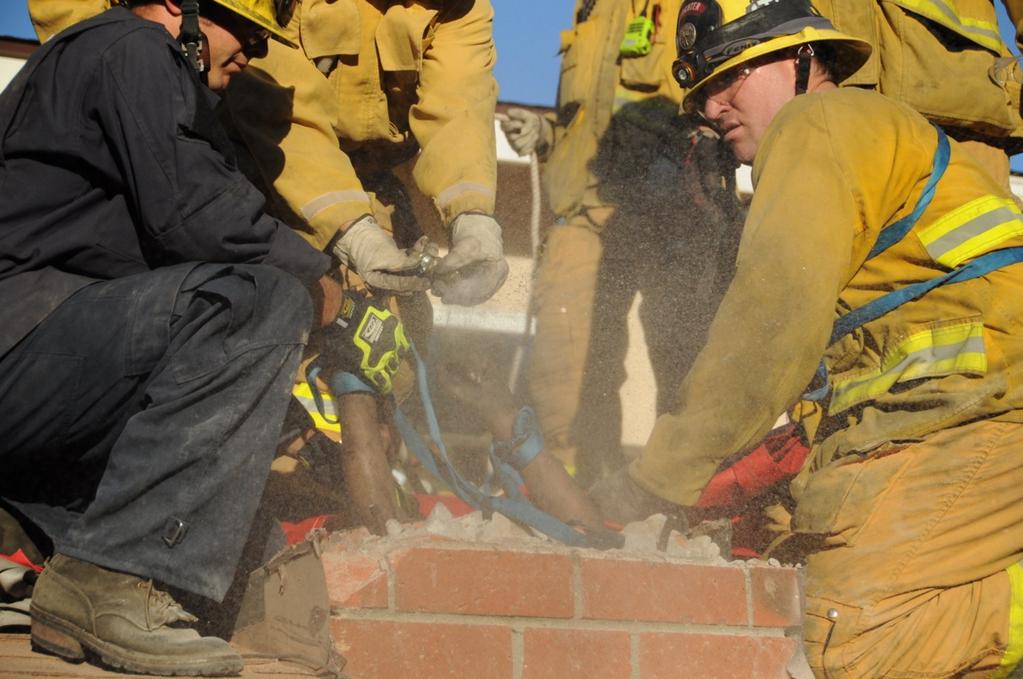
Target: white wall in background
x,y
8,67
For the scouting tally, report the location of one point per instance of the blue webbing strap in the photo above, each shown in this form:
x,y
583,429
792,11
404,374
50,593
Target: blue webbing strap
x,y
526,443
981,266
820,377
892,234
514,506
340,383
871,311
896,231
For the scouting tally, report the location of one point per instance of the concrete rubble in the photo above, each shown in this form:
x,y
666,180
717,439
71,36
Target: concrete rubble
x,y
641,538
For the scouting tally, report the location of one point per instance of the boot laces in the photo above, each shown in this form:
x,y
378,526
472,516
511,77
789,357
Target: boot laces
x,y
164,610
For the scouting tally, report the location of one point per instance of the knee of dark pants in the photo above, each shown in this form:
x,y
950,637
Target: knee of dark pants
x,y
267,305
285,301
234,309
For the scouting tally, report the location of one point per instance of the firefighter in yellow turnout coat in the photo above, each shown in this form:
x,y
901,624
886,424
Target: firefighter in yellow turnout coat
x,y
377,84
374,84
947,60
908,512
615,155
50,17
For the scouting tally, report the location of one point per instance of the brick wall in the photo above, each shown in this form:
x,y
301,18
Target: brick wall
x,y
430,609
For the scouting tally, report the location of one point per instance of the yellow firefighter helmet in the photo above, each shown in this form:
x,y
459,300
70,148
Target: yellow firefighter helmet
x,y
273,15
716,36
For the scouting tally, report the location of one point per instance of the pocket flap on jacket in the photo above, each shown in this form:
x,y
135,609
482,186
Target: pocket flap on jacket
x,y
330,28
400,37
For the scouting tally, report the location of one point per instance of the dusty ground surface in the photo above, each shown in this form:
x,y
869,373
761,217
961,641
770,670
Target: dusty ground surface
x,y
18,660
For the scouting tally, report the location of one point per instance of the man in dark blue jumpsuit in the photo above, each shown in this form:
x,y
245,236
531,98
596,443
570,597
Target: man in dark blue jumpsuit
x,y
153,318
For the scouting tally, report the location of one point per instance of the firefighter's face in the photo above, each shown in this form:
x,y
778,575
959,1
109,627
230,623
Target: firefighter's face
x,y
741,105
231,43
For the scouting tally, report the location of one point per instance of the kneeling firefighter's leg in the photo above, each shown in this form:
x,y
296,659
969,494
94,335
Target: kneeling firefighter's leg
x,y
922,576
563,303
184,476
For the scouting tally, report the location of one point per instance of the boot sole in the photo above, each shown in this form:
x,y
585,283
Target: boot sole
x,y
58,637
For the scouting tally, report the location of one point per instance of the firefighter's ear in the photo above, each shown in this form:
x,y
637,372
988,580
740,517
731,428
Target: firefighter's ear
x,y
173,7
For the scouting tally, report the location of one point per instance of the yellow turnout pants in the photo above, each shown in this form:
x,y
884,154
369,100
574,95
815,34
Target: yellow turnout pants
x,y
563,302
918,572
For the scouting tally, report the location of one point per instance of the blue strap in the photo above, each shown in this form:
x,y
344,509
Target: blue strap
x,y
896,231
981,266
871,311
526,442
514,506
340,383
889,236
313,371
820,378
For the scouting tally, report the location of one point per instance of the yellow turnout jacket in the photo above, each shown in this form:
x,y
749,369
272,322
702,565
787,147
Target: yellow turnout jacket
x,y
597,85
834,168
374,83
945,58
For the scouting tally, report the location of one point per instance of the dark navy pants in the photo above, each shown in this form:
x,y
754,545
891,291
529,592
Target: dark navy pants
x,y
139,420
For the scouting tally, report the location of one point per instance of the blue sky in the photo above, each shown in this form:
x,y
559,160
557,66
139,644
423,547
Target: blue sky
x,y
526,32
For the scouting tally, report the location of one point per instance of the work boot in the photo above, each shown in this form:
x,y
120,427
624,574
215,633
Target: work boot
x,y
78,607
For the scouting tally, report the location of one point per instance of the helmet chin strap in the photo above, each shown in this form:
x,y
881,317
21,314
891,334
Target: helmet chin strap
x,y
803,57
194,45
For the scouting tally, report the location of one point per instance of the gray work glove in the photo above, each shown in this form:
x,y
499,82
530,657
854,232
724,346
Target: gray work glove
x,y
372,253
527,132
474,268
622,500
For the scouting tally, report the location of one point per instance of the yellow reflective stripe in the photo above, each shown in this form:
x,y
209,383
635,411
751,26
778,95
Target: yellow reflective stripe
x,y
972,229
1014,644
984,33
304,395
946,350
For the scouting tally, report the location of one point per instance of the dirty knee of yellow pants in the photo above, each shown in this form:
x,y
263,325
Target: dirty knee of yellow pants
x,y
563,303
940,638
923,538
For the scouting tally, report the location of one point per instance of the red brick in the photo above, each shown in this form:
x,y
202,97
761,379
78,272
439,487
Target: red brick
x,y
670,656
479,582
663,592
354,580
575,654
394,650
776,601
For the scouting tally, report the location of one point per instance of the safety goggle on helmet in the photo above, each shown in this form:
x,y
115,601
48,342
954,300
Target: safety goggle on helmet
x,y
716,36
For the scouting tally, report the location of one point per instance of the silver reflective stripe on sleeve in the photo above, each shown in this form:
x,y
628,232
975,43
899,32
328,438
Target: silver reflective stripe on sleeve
x,y
321,203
